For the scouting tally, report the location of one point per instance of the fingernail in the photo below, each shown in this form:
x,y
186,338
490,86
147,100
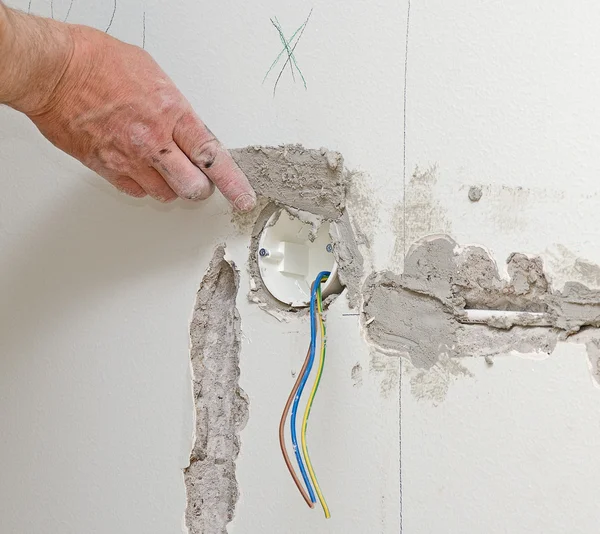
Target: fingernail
x,y
245,202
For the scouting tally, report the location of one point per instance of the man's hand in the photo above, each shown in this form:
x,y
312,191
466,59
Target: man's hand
x,y
109,105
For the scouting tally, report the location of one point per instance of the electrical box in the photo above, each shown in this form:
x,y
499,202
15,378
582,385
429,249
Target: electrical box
x,y
291,255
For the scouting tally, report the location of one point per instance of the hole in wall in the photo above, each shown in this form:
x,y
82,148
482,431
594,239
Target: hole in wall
x,y
289,249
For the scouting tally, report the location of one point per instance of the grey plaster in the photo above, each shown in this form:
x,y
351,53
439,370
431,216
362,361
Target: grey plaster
x,y
348,258
221,405
420,213
574,307
309,180
407,321
302,181
419,313
475,193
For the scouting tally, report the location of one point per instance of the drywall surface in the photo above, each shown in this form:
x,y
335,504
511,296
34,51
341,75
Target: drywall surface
x,y
469,150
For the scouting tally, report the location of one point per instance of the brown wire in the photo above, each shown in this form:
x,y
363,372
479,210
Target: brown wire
x,y
282,435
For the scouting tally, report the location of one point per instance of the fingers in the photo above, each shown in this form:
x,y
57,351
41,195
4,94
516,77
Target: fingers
x,y
127,185
181,174
206,153
153,184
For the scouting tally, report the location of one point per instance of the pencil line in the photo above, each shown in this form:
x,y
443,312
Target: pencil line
x,y
285,44
112,17
281,53
400,437
404,128
144,30
292,56
68,11
400,482
292,52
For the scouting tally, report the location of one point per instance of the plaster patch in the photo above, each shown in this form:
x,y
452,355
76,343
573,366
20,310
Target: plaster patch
x,y
591,339
309,184
433,384
348,257
419,313
404,321
574,307
244,222
475,193
356,374
388,369
309,180
221,406
564,265
593,351
508,206
363,209
477,283
420,214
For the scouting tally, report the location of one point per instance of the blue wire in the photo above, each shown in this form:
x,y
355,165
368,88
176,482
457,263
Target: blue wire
x,y
313,344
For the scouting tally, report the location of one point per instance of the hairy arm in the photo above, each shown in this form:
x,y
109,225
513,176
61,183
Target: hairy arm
x,y
34,55
109,105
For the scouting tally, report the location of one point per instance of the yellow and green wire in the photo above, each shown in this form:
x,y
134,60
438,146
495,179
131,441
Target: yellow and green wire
x,y
313,477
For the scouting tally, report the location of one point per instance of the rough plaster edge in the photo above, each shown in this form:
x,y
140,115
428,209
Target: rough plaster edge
x,y
221,406
348,259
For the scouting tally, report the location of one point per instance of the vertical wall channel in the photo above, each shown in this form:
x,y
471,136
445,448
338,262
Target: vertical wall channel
x,y
221,405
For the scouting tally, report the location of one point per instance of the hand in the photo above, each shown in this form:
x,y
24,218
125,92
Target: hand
x,y
119,114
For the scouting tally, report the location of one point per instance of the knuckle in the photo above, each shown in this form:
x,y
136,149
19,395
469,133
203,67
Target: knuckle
x,y
140,134
168,101
159,155
206,154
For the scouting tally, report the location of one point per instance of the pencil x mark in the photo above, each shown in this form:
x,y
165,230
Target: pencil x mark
x,y
289,46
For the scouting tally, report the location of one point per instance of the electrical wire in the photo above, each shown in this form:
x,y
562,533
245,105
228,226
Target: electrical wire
x,y
323,275
309,404
284,415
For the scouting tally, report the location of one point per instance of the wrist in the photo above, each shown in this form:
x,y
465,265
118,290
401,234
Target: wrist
x,y
34,54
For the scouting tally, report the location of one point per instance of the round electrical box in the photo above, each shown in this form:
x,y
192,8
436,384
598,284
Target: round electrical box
x,y
291,255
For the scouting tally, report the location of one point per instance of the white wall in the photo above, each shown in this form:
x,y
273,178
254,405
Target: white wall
x,y
97,290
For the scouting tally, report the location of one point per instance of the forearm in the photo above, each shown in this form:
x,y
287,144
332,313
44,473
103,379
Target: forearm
x,y
34,53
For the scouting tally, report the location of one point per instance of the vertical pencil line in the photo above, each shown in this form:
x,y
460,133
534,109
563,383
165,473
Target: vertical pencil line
x,y
404,125
404,257
144,30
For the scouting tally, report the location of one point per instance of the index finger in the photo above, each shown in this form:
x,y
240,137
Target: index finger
x,y
206,152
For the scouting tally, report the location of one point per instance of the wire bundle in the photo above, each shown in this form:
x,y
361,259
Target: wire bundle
x,y
317,324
